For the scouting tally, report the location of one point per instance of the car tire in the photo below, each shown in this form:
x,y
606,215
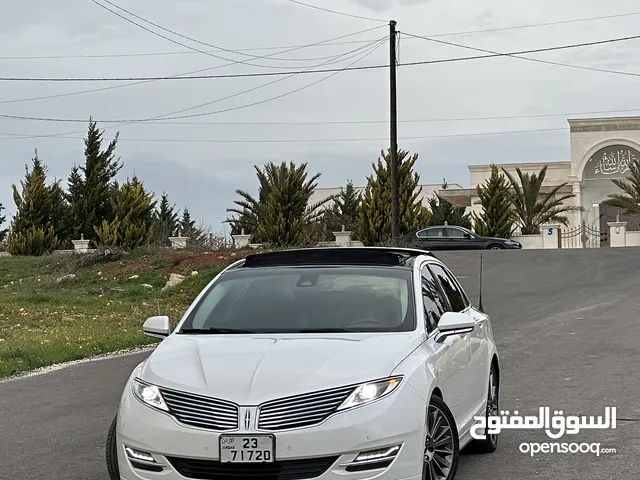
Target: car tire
x,y
495,246
490,442
111,452
441,444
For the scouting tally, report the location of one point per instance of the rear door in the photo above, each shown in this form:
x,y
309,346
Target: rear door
x,y
432,238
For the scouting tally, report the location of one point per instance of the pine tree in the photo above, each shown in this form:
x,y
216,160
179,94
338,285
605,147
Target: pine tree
x,y
374,219
497,217
3,233
444,212
165,221
131,226
33,228
343,212
91,187
188,229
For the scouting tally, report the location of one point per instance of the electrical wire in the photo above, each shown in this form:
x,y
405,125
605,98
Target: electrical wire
x,y
204,52
360,17
329,122
547,62
256,49
16,136
366,67
304,87
113,87
215,47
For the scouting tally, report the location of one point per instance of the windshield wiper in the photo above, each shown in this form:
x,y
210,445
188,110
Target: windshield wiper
x,y
325,330
215,330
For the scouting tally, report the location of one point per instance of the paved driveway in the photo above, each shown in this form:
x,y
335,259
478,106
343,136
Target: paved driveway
x,y
568,329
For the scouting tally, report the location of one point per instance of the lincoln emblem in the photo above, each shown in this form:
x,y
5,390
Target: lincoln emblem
x,y
247,419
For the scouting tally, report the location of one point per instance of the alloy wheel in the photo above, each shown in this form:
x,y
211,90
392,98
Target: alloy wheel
x,y
493,402
439,446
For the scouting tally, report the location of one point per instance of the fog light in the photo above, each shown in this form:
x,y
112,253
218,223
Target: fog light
x,y
139,456
377,455
373,459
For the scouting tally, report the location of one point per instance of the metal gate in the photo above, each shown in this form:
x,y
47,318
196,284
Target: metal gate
x,y
583,236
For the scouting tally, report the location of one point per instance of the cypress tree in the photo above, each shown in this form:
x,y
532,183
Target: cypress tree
x,y
374,219
497,217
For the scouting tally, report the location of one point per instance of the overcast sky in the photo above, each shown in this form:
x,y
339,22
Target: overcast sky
x,y
204,175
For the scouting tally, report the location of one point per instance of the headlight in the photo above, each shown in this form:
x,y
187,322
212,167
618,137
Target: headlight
x,y
369,392
149,394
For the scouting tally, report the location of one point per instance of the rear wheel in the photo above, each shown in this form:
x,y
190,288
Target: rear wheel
x,y
111,452
441,449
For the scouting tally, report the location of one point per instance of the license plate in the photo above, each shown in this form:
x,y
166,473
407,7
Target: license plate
x,y
247,448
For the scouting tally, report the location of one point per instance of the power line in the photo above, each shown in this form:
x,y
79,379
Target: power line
x,y
17,136
366,67
338,13
82,92
547,62
329,122
204,52
257,49
304,87
216,47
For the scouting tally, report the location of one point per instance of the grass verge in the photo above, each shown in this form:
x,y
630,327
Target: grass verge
x,y
59,308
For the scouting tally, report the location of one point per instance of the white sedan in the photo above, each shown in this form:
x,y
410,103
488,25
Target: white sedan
x,y
333,363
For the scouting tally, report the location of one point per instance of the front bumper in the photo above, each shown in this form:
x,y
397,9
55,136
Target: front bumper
x,y
320,452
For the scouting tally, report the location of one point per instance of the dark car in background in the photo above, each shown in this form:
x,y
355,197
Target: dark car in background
x,y
452,237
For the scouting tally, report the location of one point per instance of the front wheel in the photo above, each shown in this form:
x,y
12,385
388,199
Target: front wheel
x,y
441,448
495,246
490,443
111,452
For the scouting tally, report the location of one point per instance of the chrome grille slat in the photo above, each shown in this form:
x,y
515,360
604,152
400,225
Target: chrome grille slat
x,y
200,411
198,408
301,410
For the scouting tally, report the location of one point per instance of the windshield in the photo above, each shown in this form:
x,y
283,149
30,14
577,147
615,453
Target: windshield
x,y
306,299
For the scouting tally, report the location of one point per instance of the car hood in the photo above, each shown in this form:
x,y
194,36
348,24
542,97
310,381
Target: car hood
x,y
250,369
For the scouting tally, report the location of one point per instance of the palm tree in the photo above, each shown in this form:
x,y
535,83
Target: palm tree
x,y
282,189
629,204
533,208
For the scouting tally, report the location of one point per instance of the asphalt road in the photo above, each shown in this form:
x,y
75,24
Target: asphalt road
x,y
568,330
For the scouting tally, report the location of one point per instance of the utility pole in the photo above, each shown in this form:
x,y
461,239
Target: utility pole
x,y
395,207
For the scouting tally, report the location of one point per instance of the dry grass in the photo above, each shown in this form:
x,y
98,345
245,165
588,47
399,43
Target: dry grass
x,y
44,322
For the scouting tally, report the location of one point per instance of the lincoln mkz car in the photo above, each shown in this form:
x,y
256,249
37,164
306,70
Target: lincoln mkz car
x,y
452,237
330,364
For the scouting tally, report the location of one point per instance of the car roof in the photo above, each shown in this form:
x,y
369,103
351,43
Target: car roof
x,y
336,256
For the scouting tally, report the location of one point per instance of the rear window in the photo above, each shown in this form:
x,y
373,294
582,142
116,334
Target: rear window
x,y
307,299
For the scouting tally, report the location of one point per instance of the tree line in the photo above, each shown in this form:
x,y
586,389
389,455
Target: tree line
x,y
282,215
94,206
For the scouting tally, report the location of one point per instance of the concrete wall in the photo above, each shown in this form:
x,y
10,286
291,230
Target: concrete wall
x,y
529,241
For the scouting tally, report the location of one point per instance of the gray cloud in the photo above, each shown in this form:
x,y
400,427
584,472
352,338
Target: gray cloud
x,y
204,176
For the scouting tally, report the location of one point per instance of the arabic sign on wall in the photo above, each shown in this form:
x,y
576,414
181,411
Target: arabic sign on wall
x,y
611,161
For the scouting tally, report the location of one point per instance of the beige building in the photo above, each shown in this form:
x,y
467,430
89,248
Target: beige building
x,y
601,151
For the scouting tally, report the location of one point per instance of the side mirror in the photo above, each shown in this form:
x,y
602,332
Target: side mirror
x,y
157,327
454,323
467,235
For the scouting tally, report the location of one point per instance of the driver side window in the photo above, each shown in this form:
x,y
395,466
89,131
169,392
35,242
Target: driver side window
x,y
432,302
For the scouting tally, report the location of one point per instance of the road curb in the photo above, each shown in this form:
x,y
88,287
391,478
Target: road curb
x,y
65,365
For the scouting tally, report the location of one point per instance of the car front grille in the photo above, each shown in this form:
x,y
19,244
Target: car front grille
x,y
200,411
301,410
279,470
